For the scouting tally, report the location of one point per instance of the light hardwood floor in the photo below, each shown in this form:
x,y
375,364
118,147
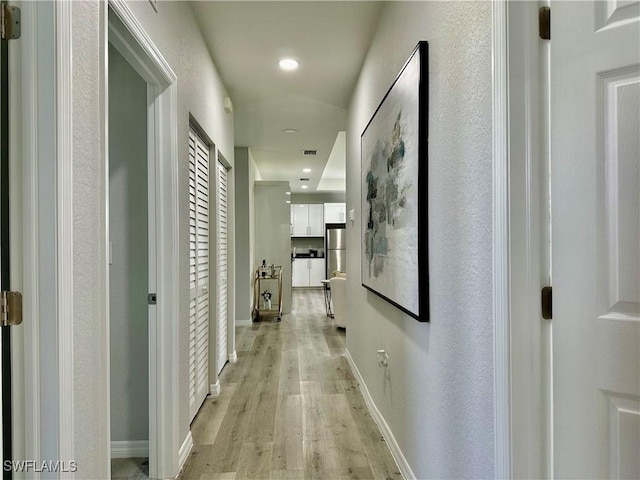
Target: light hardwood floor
x,y
290,408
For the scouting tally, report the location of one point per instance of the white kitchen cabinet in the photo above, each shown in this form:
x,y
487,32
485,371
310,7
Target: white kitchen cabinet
x,y
316,272
307,220
335,212
308,272
316,220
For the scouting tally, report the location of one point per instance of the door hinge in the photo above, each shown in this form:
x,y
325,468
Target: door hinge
x,y
547,303
152,299
10,309
9,22
544,23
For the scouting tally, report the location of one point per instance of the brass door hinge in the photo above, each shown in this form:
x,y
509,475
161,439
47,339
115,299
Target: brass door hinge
x,y
10,26
10,309
544,23
547,303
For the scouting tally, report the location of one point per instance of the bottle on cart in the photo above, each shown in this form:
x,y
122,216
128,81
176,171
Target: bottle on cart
x,y
263,269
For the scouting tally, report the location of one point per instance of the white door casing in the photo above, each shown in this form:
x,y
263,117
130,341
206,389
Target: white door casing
x,y
222,271
198,272
595,182
127,35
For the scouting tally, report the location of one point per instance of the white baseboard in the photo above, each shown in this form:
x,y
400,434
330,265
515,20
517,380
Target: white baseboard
x,y
185,450
244,323
397,454
233,357
214,389
130,449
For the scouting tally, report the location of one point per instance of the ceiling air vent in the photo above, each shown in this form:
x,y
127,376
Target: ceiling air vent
x,y
309,152
304,179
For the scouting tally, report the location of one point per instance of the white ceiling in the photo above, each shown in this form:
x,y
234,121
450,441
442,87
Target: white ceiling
x,y
330,40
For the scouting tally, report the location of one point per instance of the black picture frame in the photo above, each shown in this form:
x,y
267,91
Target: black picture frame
x,y
394,195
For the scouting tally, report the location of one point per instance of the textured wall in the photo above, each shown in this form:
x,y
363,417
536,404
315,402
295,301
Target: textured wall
x,y
438,398
128,233
243,259
273,234
200,93
91,379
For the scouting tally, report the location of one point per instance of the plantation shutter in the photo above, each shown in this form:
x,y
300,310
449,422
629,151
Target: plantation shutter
x,y
198,272
222,270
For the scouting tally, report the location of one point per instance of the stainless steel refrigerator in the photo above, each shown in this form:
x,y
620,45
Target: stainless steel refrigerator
x,y
336,248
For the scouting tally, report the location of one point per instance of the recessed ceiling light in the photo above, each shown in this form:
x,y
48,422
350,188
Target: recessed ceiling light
x,y
306,170
287,201
304,186
288,64
288,193
290,130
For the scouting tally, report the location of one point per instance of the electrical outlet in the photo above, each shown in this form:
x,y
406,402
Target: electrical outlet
x,y
383,358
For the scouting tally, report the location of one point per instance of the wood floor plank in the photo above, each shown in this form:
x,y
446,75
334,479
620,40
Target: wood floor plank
x,y
345,433
286,475
206,425
382,463
287,451
255,461
290,407
320,460
289,383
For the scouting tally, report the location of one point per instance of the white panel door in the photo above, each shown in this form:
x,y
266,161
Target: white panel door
x,y
221,266
198,272
595,131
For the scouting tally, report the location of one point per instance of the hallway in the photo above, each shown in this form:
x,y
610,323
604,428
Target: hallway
x,y
290,407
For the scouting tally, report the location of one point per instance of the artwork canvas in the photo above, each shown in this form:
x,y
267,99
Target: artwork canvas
x,y
394,192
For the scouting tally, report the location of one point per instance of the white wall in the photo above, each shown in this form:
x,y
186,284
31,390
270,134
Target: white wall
x,y
273,233
200,92
91,377
128,232
330,197
244,263
438,399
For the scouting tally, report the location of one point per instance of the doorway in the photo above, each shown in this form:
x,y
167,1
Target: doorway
x,y
164,448
129,268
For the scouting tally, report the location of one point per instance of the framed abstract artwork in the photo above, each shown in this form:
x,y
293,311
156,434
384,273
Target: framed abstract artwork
x,y
395,263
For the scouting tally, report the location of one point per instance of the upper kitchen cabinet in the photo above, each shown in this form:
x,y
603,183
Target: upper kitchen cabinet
x,y
335,212
307,220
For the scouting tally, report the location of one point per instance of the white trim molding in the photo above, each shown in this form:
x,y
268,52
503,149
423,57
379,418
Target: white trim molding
x,y
130,449
233,357
214,389
396,453
529,237
185,450
64,198
129,38
244,323
500,271
31,250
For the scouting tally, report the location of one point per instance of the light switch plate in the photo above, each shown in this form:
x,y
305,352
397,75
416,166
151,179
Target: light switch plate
x,y
352,214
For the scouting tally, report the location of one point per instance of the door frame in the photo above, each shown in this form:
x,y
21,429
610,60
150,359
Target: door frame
x,y
129,38
45,136
522,359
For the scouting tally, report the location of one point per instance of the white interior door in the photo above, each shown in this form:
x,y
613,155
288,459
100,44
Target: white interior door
x,y
221,266
198,272
595,130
